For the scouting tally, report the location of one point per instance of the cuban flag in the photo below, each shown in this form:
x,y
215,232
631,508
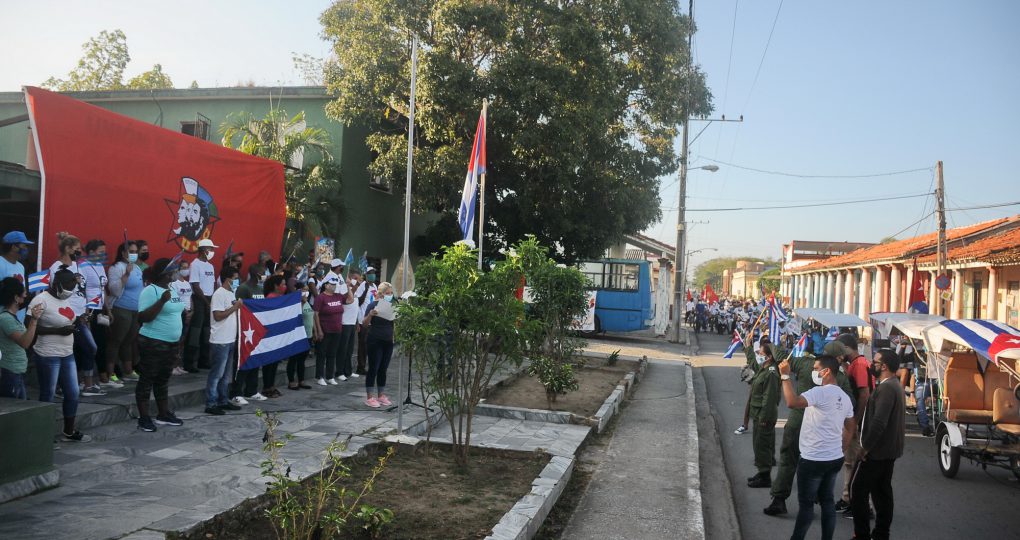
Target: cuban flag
x,y
39,281
776,316
832,335
989,339
800,348
734,345
918,299
271,330
363,263
476,168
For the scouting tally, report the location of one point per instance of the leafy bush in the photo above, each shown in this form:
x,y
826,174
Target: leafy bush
x,y
374,519
614,357
321,507
557,377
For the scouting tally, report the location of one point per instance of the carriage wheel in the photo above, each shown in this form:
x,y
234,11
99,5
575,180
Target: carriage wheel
x,y
949,456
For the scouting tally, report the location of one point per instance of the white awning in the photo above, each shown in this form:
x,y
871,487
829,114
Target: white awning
x,y
828,318
908,324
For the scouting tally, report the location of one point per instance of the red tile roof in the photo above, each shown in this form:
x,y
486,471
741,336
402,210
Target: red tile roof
x,y
980,249
902,248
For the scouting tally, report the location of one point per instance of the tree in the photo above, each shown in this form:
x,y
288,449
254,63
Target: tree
x,y
312,192
154,79
194,85
711,270
585,100
770,280
101,67
462,328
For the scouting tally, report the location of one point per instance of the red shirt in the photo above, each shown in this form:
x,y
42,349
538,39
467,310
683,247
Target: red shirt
x,y
859,372
331,310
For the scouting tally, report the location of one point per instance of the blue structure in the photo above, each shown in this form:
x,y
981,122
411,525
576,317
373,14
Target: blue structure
x,y
624,299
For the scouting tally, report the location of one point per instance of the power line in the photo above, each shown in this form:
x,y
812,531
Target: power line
x,y
838,203
763,53
729,65
904,229
797,175
979,207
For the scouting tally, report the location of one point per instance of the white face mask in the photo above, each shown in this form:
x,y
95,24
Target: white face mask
x,y
760,358
816,378
185,272
209,255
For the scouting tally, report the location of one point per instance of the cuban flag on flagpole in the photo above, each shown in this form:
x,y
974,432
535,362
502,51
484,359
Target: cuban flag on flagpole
x,y
734,345
476,168
270,330
800,348
39,281
776,316
832,335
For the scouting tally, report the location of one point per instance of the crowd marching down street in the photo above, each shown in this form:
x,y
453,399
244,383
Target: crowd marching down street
x,y
88,325
846,412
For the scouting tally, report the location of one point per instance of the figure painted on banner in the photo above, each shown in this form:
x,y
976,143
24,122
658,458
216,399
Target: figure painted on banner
x,y
194,215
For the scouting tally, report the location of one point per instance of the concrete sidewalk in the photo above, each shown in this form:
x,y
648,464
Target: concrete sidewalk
x,y
649,484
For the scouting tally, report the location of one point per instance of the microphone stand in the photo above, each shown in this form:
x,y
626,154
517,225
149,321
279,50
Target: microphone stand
x,y
408,400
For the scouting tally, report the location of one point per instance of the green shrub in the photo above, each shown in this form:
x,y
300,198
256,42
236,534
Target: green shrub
x,y
557,377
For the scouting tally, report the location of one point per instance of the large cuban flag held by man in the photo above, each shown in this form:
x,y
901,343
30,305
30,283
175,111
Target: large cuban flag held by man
x,y
271,330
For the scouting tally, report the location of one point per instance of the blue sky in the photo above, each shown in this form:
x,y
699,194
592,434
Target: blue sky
x,y
845,89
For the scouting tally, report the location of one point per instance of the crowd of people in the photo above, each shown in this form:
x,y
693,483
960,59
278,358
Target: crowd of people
x,y
847,413
99,326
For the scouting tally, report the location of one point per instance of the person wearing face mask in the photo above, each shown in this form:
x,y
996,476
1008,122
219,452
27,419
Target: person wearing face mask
x,y
182,287
296,363
883,427
93,271
54,348
246,387
223,343
13,253
350,328
159,311
366,293
15,338
803,371
329,309
84,344
764,413
143,255
124,280
275,286
755,357
203,284
379,318
828,426
858,369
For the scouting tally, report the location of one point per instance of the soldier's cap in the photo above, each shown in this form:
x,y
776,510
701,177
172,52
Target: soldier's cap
x,y
835,349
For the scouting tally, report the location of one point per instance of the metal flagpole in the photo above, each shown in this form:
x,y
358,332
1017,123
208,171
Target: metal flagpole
x,y
481,194
407,215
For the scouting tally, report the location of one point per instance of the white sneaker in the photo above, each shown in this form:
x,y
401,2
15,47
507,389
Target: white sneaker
x,y
112,384
239,401
333,382
322,382
258,397
355,375
740,430
343,377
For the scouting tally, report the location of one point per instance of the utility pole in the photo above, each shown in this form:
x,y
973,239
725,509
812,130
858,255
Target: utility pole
x,y
679,266
940,210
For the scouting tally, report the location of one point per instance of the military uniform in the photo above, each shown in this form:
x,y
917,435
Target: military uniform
x,y
764,409
789,450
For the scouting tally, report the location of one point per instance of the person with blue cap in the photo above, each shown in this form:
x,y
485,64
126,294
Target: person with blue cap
x,y
13,252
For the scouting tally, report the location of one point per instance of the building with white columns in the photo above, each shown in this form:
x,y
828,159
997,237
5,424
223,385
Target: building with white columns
x,y
983,265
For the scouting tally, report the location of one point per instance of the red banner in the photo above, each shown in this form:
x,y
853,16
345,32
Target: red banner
x,y
104,172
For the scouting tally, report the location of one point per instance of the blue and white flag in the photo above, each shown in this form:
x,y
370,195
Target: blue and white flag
x,y
734,345
476,168
39,281
270,330
800,348
776,316
832,335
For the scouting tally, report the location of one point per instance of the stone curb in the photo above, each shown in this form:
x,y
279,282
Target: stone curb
x,y
611,406
524,520
695,510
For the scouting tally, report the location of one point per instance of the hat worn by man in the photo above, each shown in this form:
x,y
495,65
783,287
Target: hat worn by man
x,y
16,237
206,243
370,269
336,263
835,349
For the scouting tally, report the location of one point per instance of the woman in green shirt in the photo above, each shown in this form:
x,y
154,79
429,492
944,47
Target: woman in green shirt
x,y
159,310
15,338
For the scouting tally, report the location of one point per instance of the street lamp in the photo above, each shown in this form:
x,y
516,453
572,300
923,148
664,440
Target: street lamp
x,y
680,268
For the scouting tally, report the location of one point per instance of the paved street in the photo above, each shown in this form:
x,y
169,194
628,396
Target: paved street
x,y
975,504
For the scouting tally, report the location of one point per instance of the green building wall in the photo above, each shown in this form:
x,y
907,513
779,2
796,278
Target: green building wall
x,y
374,218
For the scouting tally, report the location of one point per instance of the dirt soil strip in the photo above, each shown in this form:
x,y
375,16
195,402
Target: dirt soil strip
x,y
595,385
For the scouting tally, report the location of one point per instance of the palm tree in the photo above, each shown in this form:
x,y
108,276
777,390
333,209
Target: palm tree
x,y
311,192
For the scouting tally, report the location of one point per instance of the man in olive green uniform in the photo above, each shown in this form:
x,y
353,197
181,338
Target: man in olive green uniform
x,y
764,409
789,450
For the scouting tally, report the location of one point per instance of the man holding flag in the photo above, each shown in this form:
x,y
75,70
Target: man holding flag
x,y
802,370
271,330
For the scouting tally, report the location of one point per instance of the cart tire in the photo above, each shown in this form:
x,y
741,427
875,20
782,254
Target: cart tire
x,y
948,455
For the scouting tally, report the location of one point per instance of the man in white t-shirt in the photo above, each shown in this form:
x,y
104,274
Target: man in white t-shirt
x,y
203,283
824,436
222,343
335,275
